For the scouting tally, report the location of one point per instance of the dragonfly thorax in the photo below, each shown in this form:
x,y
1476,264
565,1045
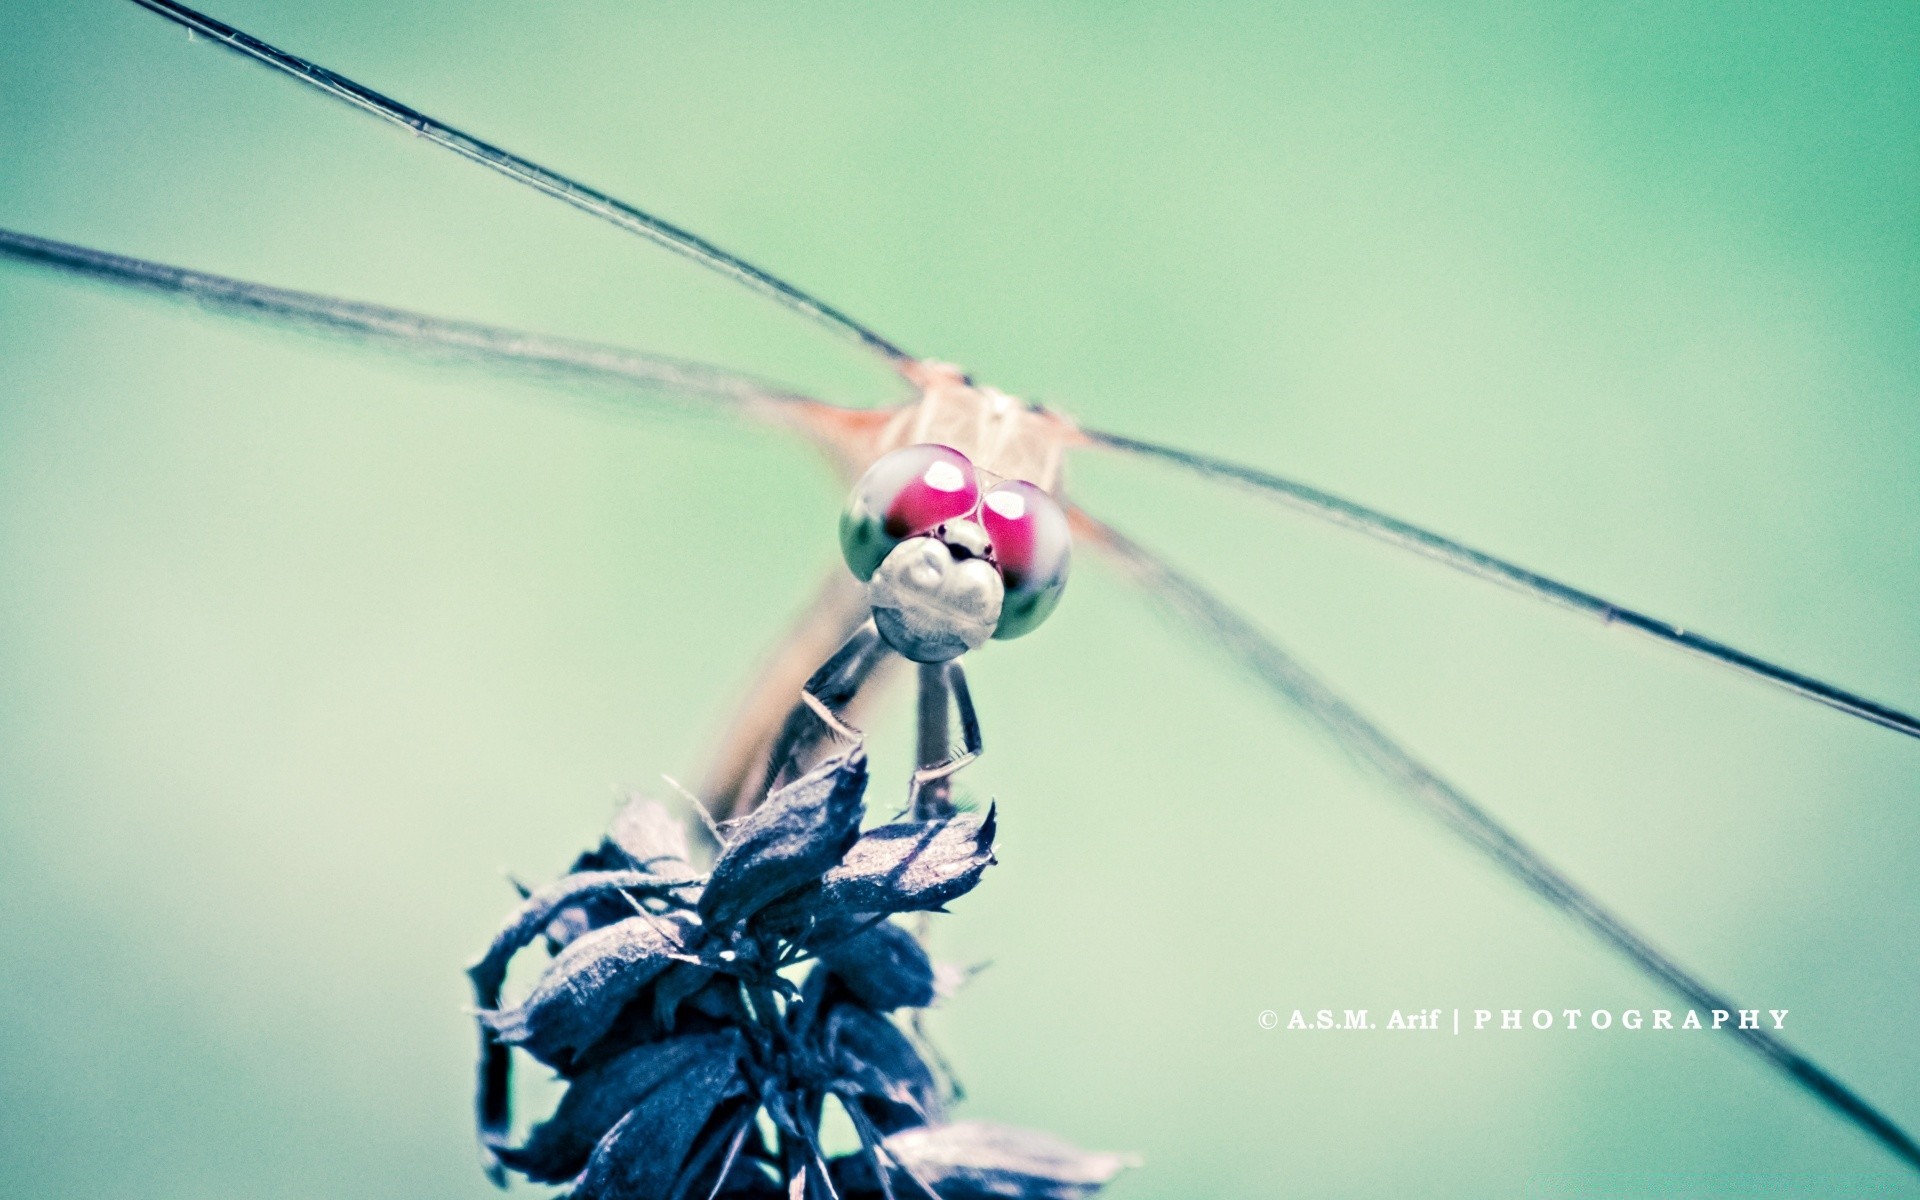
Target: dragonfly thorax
x,y
1002,435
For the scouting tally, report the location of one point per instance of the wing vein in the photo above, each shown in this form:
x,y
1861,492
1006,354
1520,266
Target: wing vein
x,y
1369,744
522,170
1392,530
537,354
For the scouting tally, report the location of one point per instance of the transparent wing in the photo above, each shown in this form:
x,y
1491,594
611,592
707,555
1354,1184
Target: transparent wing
x,y
1329,507
587,199
505,351
1283,675
846,435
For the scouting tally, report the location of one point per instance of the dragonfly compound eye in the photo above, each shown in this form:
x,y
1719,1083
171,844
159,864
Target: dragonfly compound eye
x,y
1032,545
904,494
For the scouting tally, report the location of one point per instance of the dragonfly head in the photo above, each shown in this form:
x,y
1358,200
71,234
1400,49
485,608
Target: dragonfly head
x,y
947,564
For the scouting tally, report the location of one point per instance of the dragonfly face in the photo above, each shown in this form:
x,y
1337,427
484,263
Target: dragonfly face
x,y
947,565
910,533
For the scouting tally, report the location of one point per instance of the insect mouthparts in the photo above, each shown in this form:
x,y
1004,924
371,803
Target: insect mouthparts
x,y
965,539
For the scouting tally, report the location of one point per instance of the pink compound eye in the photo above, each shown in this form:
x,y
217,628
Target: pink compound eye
x,y
904,494
1032,546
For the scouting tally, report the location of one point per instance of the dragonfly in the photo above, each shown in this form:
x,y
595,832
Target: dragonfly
x,y
834,659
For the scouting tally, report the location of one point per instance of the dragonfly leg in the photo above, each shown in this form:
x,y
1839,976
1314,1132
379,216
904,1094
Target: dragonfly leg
x,y
840,729
827,694
931,794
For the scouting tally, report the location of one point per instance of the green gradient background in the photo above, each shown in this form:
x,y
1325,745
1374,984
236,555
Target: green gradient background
x,y
300,646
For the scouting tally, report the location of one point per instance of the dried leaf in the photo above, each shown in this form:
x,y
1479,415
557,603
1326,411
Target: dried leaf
x,y
576,919
493,1098
974,1160
492,1102
802,829
911,866
873,1060
587,985
719,1000
559,1147
533,916
680,981
883,965
650,833
646,1113
643,1154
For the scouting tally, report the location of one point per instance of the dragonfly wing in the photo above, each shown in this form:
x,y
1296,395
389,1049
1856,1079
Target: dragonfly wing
x,y
1340,511
549,182
1290,681
515,352
848,437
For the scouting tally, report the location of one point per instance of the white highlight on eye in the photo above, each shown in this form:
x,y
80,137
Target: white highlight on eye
x,y
1008,503
943,476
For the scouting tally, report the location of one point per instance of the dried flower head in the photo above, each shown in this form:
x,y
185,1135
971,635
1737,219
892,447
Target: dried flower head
x,y
702,1021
